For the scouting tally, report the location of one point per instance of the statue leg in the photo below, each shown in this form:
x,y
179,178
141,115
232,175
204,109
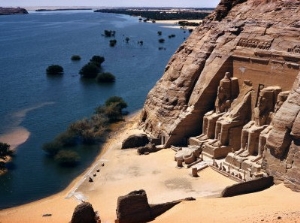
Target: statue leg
x,y
244,142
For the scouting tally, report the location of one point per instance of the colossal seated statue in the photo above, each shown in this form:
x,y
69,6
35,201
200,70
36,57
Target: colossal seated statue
x,y
227,91
262,115
234,119
247,160
282,96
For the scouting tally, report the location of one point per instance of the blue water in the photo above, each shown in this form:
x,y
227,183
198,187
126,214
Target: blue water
x,y
45,106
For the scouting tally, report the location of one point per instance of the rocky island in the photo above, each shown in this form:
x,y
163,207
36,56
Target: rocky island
x,y
12,11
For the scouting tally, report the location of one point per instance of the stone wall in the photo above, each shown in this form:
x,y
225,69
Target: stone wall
x,y
256,40
248,187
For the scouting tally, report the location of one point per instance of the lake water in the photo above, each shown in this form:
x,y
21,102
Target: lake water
x,y
44,106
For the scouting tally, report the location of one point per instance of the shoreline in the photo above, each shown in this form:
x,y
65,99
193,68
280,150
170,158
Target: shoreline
x,y
125,171
16,137
174,23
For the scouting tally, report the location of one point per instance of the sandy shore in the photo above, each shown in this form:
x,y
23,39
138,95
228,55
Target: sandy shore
x,y
124,171
174,23
15,137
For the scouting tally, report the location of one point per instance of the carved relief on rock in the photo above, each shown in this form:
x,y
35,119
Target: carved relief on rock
x,y
254,43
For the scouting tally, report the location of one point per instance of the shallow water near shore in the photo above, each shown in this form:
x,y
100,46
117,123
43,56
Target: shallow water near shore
x,y
42,107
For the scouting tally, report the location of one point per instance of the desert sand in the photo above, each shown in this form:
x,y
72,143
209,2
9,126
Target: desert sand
x,y
125,171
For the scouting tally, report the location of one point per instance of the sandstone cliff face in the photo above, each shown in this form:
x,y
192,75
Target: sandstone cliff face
x,y
256,40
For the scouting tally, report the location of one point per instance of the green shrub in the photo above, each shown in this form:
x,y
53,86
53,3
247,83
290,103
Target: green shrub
x,y
97,60
75,58
109,33
89,70
67,139
54,69
4,150
112,42
161,40
115,99
105,77
67,157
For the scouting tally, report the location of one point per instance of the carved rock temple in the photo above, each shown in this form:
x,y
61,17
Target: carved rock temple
x,y
230,93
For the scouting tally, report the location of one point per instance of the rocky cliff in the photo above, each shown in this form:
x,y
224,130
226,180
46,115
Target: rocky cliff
x,y
255,41
11,11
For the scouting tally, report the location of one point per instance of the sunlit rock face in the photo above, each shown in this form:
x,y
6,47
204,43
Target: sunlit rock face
x,y
255,41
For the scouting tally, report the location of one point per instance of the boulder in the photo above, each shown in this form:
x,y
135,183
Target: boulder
x,y
134,141
134,208
84,213
149,148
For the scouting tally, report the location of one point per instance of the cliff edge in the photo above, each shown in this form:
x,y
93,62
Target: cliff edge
x,y
254,41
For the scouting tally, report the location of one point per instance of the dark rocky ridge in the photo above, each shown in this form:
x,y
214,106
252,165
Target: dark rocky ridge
x,y
11,11
256,40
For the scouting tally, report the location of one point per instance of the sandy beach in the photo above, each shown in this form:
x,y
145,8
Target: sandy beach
x,y
15,137
156,173
174,23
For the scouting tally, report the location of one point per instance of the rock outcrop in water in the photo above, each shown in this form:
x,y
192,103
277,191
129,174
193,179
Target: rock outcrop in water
x,y
11,11
257,42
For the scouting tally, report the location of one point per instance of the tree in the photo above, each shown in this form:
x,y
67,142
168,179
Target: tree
x,y
67,157
109,33
54,69
89,70
127,39
105,77
52,148
116,99
97,60
159,33
161,40
75,58
4,150
112,42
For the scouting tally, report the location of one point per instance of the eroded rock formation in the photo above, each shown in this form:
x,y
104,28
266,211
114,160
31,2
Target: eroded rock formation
x,y
134,208
84,213
257,42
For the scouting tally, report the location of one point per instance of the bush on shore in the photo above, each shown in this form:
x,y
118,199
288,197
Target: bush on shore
x,y
5,150
67,158
87,131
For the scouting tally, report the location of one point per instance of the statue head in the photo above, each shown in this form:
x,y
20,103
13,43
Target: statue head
x,y
282,96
